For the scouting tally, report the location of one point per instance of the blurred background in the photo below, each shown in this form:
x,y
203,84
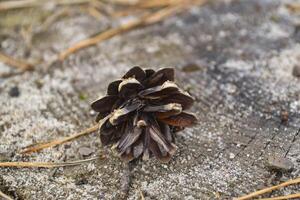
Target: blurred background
x,y
37,31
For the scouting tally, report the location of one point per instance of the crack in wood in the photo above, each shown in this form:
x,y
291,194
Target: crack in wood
x,y
268,142
293,140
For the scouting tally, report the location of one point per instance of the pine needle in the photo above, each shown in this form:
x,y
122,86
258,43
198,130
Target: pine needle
x,y
141,194
291,196
147,19
20,64
41,146
101,37
269,189
5,196
159,3
149,4
46,164
7,5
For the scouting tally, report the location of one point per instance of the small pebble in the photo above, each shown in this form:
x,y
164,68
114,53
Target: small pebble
x,y
81,181
296,71
85,151
39,84
231,156
280,163
92,113
284,116
14,91
230,88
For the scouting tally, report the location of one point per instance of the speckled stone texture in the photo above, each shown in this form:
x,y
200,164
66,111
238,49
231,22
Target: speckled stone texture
x,y
244,52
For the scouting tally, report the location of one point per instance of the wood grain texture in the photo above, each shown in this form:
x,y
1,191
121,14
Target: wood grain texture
x,y
245,52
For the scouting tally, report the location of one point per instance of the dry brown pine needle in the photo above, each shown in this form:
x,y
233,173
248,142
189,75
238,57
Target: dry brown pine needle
x,y
7,5
160,3
38,147
146,19
19,64
108,34
291,196
47,164
269,189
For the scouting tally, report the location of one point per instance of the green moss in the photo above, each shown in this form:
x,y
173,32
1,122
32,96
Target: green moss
x,y
82,96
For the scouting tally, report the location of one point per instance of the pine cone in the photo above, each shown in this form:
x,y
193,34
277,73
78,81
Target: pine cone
x,y
141,112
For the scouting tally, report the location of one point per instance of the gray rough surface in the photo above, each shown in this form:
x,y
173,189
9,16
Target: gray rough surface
x,y
245,50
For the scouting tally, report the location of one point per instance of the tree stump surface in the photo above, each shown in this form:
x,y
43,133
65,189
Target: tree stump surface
x,y
235,57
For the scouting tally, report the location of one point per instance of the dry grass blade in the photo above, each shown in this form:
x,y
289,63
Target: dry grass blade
x,y
7,5
5,196
162,14
92,11
46,164
20,64
144,20
159,3
291,196
263,191
123,2
293,7
126,12
101,37
148,4
55,17
39,147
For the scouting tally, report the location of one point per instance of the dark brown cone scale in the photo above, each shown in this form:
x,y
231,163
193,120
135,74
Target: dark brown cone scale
x,y
141,113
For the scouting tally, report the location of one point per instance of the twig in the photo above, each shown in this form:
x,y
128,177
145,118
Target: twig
x,y
269,189
46,164
39,147
7,5
144,20
291,196
20,64
126,180
5,196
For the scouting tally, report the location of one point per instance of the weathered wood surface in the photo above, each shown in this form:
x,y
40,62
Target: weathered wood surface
x,y
245,52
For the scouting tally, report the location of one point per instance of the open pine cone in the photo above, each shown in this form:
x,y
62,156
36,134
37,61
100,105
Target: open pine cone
x,y
141,112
